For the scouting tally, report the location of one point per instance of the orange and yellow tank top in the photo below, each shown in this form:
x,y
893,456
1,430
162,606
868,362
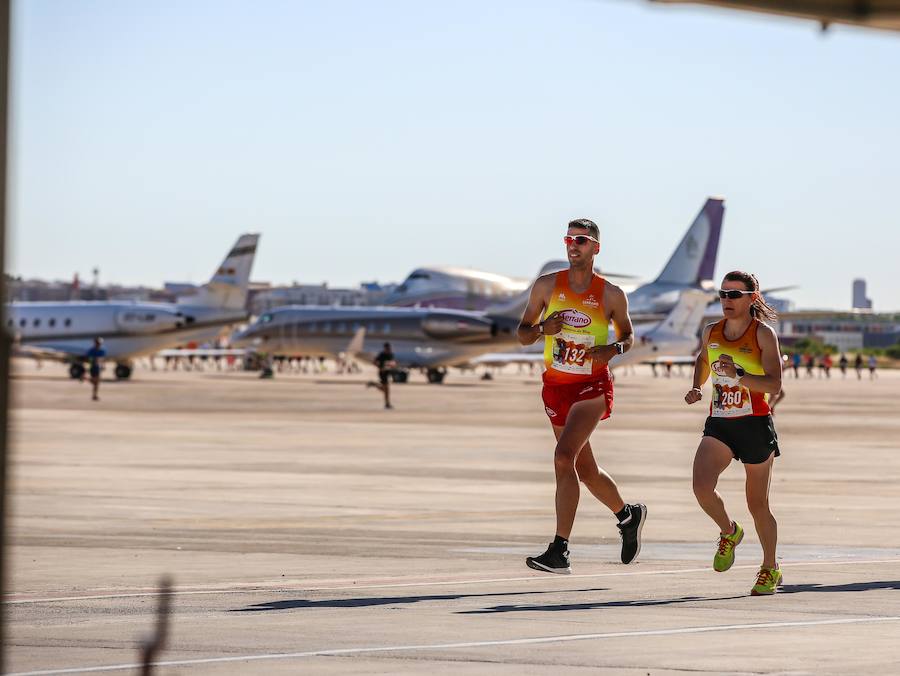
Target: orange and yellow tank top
x,y
585,324
731,399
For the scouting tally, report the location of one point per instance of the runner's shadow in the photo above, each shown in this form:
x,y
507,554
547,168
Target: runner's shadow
x,y
848,587
598,605
294,604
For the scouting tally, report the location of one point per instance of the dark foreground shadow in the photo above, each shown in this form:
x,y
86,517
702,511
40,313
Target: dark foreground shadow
x,y
293,604
848,587
598,605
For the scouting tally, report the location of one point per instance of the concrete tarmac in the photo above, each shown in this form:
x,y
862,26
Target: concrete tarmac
x,y
309,530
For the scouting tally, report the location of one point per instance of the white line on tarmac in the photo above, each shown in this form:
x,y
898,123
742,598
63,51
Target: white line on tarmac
x,y
439,583
471,644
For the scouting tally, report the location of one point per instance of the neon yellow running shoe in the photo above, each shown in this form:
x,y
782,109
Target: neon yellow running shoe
x,y
724,558
767,581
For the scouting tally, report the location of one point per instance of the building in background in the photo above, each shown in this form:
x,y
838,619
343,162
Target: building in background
x,y
860,302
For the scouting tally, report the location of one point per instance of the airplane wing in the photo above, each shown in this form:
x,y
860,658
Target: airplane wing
x,y
44,353
883,14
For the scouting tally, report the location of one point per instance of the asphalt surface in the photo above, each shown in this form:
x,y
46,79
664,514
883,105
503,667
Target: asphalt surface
x,y
308,529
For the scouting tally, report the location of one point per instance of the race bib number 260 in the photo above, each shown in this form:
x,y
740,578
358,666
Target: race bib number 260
x,y
730,401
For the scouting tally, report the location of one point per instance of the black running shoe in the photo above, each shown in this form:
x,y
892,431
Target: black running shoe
x,y
630,530
554,560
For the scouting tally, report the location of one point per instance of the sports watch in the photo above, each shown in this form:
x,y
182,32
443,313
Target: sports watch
x,y
620,347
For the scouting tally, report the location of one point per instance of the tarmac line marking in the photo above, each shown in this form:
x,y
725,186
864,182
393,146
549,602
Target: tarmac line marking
x,y
471,644
439,583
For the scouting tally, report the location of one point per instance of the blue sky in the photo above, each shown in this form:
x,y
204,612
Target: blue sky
x,y
364,138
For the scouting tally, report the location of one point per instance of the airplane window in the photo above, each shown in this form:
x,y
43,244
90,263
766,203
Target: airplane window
x,y
36,323
9,323
22,323
68,322
419,275
52,322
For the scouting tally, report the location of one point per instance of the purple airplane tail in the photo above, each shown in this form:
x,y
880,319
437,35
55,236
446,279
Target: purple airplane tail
x,y
694,261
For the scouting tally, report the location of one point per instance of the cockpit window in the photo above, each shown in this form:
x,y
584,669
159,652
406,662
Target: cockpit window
x,y
265,319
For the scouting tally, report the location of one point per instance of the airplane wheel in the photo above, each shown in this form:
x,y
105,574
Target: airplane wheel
x,y
436,376
400,376
123,371
76,371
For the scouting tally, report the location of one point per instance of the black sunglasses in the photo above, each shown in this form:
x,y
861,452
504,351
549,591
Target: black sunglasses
x,y
733,294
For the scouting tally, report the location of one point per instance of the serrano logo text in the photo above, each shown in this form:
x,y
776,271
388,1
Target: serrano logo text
x,y
575,319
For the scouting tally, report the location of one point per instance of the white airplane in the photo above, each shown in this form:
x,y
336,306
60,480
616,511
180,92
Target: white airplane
x,y
676,336
691,265
467,289
130,329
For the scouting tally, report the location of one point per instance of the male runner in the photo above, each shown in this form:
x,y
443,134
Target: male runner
x,y
385,363
741,352
577,307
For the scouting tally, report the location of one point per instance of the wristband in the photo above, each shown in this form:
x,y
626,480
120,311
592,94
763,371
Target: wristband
x,y
540,327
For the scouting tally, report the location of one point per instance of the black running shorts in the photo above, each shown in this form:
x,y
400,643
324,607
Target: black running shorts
x,y
752,439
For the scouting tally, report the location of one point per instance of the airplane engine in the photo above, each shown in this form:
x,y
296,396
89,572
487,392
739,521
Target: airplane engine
x,y
144,320
456,328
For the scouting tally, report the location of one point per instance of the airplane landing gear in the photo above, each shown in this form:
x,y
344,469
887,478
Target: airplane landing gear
x,y
436,376
76,371
123,371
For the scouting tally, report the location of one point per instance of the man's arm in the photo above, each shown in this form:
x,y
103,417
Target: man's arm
x,y
621,319
618,315
701,369
529,330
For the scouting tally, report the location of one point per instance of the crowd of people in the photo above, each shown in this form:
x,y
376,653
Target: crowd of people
x,y
795,361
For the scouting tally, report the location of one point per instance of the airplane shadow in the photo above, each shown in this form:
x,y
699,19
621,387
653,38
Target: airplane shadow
x,y
294,604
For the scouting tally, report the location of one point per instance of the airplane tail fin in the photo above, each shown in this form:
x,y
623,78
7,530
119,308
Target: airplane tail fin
x,y
227,288
684,319
694,260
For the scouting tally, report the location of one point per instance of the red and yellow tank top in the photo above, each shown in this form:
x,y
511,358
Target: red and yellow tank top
x,y
731,399
585,324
